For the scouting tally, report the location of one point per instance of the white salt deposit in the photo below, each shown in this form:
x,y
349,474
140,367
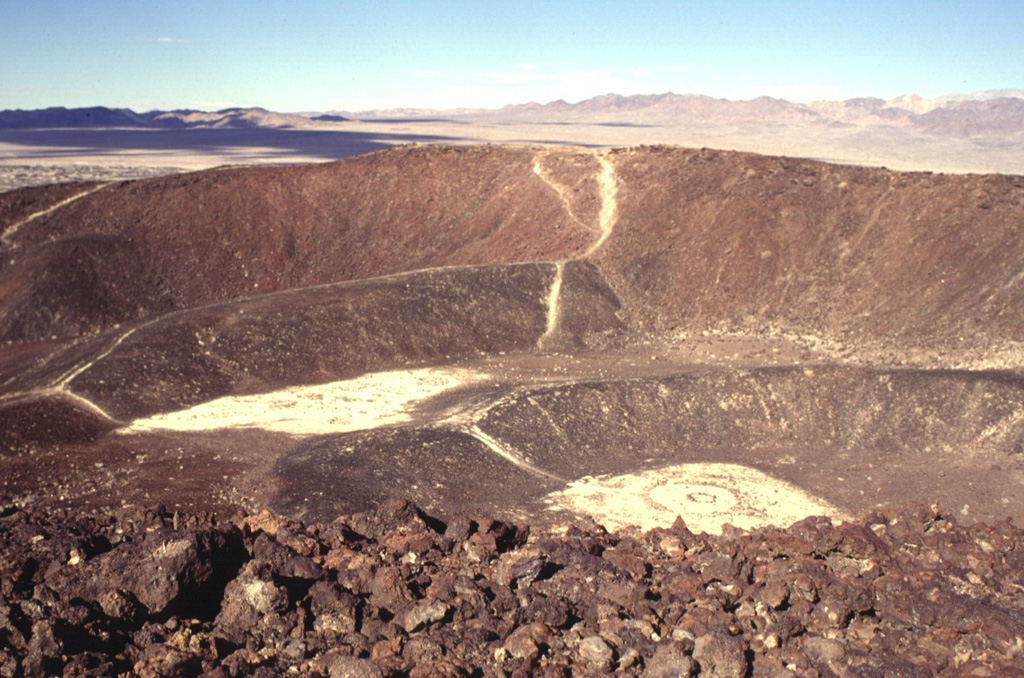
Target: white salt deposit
x,y
366,402
706,496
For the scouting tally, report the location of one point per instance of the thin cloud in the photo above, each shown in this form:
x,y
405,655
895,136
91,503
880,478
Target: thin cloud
x,y
674,69
163,39
431,73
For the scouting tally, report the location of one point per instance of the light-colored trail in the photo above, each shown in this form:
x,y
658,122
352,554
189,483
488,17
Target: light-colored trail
x,y
508,453
606,218
8,234
87,404
609,204
608,188
554,296
60,388
67,377
563,192
62,382
57,392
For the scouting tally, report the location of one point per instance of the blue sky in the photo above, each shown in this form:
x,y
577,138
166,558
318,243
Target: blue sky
x,y
341,55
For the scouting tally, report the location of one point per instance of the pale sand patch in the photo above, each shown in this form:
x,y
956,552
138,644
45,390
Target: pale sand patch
x,y
707,496
366,402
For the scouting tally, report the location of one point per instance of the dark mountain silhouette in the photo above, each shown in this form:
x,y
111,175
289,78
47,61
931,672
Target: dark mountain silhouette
x,y
97,116
326,117
100,117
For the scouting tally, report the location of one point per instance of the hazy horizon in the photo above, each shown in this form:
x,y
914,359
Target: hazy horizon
x,y
983,94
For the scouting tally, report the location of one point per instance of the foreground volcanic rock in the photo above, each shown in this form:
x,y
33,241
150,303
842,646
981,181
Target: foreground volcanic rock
x,y
394,592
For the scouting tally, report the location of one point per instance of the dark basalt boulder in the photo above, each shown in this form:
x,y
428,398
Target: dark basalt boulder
x,y
394,592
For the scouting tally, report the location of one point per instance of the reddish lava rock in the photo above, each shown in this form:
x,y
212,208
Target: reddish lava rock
x,y
394,592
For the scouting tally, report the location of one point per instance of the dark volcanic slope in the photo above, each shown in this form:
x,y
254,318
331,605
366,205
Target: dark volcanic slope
x,y
713,239
317,335
702,239
890,432
216,235
543,315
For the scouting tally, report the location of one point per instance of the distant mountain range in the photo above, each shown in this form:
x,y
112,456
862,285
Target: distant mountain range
x,y
997,113
100,116
994,113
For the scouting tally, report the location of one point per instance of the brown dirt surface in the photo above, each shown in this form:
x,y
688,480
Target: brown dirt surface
x,y
549,336
604,312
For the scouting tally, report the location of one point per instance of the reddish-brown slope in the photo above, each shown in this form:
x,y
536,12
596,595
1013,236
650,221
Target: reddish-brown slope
x,y
697,240
18,205
702,239
78,285
221,234
743,242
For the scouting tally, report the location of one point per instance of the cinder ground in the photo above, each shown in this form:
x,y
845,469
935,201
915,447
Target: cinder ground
x,y
534,333
525,330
